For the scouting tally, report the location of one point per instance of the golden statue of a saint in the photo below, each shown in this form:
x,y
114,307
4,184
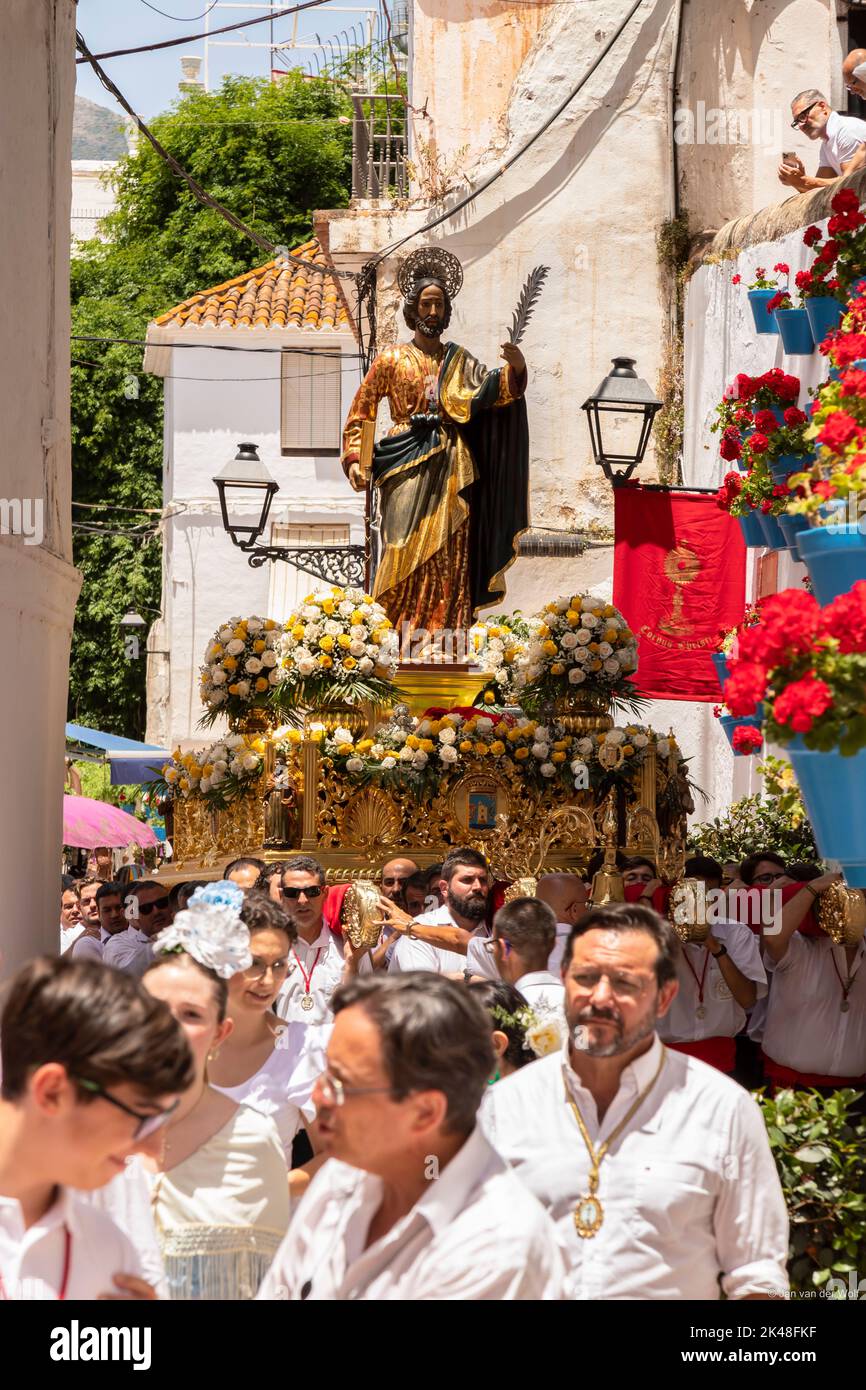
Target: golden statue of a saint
x,y
452,474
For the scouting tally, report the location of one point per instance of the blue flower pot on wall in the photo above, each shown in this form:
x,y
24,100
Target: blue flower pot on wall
x,y
730,722
791,527
764,322
796,334
835,557
751,529
773,537
835,373
786,464
825,314
723,670
833,790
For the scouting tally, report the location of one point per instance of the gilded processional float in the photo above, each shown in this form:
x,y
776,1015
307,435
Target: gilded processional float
x,y
372,724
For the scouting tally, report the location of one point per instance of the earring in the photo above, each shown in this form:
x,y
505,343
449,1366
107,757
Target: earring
x,y
212,1056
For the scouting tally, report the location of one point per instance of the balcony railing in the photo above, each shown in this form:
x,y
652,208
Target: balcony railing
x,y
378,146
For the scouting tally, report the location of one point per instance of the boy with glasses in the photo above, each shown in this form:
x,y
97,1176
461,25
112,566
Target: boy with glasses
x,y
842,142
93,1068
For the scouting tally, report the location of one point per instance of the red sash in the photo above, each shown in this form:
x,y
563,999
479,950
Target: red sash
x,y
802,1080
716,1052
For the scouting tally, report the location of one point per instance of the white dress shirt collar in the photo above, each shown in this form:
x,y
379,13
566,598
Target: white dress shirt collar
x,y
636,1077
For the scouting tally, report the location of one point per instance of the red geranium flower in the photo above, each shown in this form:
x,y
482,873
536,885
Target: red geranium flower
x,y
745,687
788,622
735,279
802,702
848,348
785,270
730,446
829,251
853,382
792,416
744,418
766,422
839,430
823,488
747,739
811,235
803,279
845,619
845,200
759,443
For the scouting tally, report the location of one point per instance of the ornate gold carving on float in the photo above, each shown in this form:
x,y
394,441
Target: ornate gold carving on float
x,y
842,914
523,829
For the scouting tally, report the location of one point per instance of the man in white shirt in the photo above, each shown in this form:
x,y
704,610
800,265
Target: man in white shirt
x,y
815,1032
92,1067
71,925
720,980
568,897
656,1167
438,940
524,932
111,918
147,908
414,1204
316,962
842,142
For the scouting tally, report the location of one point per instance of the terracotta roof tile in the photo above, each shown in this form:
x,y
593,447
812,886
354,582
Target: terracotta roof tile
x,y
268,297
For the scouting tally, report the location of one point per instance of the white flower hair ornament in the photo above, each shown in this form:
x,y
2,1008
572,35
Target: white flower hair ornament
x,y
210,930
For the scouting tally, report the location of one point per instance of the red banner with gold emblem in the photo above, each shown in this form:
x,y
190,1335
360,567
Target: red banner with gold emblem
x,y
679,578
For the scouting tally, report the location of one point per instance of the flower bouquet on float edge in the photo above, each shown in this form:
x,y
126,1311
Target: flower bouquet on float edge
x,y
581,649
239,674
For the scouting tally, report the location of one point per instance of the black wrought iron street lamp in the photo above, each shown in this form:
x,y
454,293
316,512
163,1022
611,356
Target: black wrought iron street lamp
x,y
246,490
624,395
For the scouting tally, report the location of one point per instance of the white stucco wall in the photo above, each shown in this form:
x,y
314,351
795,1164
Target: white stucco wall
x,y
93,196
213,401
38,585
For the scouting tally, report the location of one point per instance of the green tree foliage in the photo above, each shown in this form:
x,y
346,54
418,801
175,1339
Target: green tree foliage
x,y
777,821
272,153
820,1150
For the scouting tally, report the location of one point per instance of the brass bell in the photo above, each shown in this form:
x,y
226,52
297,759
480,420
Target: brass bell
x,y
607,886
361,910
687,910
842,914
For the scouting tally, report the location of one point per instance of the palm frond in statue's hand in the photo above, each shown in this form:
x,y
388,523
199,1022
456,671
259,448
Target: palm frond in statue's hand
x,y
529,296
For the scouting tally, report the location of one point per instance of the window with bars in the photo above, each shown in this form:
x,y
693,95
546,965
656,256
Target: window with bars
x,y
288,584
310,406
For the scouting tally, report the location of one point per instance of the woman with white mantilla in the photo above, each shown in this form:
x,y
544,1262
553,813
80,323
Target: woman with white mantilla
x,y
220,1190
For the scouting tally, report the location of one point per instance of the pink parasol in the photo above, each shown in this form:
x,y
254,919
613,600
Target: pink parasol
x,y
88,824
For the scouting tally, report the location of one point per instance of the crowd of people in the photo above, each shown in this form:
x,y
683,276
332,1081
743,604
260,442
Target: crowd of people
x,y
211,1094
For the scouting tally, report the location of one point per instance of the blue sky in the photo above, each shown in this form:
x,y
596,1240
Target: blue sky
x,y
149,80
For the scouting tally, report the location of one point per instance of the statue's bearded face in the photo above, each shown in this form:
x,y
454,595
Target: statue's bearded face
x,y
428,310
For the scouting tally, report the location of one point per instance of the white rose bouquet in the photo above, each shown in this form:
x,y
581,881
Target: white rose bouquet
x,y
240,670
578,643
228,769
339,647
499,645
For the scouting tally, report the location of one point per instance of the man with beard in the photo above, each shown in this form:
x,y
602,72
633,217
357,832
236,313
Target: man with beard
x,y
451,476
656,1167
438,940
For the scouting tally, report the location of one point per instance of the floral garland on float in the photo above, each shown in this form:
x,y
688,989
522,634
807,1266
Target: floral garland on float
x,y
240,670
405,751
806,665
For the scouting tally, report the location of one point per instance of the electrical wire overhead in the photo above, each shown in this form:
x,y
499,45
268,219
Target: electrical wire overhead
x,y
181,18
189,38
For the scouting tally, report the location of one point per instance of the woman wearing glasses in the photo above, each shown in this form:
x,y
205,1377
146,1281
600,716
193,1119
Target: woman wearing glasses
x,y
219,1191
269,1065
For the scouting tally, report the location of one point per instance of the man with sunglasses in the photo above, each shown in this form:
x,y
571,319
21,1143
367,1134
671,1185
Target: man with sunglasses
x,y
842,142
147,907
316,962
93,1067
